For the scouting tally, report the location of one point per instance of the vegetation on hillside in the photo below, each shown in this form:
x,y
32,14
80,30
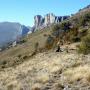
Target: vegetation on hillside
x,y
73,30
76,29
85,44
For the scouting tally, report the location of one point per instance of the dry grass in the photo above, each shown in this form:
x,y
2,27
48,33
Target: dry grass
x,y
43,78
78,73
24,50
37,86
44,68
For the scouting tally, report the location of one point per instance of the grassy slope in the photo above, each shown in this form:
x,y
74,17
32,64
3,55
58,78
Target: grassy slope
x,y
26,49
50,70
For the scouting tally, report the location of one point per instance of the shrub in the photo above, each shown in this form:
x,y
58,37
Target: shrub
x,y
55,27
72,35
84,20
49,42
84,47
82,32
65,25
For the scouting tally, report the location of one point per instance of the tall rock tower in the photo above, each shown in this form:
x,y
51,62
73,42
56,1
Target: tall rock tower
x,y
49,19
38,20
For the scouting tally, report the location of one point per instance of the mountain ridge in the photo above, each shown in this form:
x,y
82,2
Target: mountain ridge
x,y
11,31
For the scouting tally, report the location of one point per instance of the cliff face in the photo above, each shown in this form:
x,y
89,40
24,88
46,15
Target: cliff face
x,y
48,19
38,20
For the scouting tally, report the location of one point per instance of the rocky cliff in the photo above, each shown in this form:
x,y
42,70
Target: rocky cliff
x,y
48,19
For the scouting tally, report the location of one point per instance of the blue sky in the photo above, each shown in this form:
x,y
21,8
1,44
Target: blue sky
x,y
23,11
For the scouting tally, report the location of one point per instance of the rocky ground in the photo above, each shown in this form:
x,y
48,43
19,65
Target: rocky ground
x,y
49,71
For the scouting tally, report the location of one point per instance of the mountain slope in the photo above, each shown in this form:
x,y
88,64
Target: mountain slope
x,y
49,71
11,55
11,31
24,68
15,55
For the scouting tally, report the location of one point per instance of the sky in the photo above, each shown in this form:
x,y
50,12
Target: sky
x,y
23,11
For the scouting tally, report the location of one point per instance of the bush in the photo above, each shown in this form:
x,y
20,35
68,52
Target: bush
x,y
71,35
55,27
65,25
49,42
84,20
82,32
84,47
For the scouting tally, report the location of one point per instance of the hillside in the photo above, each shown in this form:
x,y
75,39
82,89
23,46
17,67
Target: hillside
x,y
11,55
49,71
11,31
34,63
